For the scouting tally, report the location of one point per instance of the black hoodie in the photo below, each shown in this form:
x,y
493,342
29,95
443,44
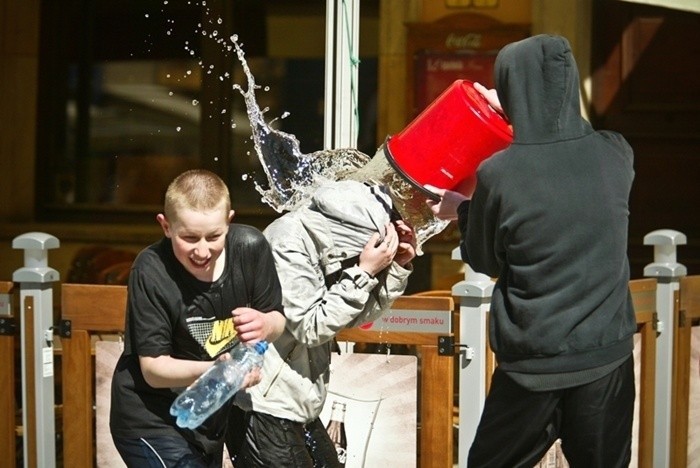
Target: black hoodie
x,y
549,218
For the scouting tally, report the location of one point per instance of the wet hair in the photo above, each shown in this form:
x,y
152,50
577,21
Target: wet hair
x,y
198,190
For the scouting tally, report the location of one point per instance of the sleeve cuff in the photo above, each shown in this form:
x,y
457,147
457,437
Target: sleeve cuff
x,y
361,278
463,209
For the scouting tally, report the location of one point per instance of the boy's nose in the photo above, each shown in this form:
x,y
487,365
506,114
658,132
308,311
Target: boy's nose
x,y
202,248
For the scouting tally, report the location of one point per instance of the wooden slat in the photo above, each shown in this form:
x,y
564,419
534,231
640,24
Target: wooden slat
x,y
91,309
436,379
78,432
490,356
643,293
94,307
690,297
423,303
680,386
357,335
7,384
436,402
645,454
687,313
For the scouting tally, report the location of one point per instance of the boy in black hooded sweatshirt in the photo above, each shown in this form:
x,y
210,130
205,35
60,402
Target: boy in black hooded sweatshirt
x,y
549,219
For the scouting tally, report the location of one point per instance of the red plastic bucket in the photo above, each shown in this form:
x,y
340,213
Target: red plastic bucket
x,y
444,145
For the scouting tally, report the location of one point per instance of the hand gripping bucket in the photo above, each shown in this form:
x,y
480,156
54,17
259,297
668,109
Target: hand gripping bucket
x,y
444,145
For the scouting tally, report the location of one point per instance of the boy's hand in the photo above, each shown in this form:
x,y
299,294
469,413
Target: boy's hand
x,y
250,324
252,378
407,243
446,208
491,97
378,253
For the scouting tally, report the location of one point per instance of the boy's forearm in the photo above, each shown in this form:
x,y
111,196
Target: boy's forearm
x,y
168,372
275,324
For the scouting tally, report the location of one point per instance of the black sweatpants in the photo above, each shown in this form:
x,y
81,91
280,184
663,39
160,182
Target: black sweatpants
x,y
280,443
594,422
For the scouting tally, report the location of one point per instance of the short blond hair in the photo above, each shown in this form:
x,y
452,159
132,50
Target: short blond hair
x,y
196,189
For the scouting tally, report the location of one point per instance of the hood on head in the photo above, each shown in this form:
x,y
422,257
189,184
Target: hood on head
x,y
354,210
538,86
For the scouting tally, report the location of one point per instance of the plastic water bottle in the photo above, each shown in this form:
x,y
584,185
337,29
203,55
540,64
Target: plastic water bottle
x,y
215,386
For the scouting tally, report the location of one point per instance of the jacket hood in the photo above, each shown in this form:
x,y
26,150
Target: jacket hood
x,y
351,212
537,81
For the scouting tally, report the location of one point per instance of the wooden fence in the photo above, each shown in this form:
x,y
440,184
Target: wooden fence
x,y
91,310
99,309
685,430
7,380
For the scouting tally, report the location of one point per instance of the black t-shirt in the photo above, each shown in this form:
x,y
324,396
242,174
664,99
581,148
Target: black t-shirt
x,y
170,312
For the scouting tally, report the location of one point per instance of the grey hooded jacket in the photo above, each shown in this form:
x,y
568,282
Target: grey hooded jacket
x,y
308,245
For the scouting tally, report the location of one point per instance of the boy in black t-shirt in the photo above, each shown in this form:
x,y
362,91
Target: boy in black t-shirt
x,y
192,296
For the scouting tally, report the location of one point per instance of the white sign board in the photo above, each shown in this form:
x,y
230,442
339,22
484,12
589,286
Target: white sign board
x,y
416,321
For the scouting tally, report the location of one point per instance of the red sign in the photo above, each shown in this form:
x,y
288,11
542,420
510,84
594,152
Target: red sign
x,y
435,71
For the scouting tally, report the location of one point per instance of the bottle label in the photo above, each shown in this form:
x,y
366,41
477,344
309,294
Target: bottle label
x,y
342,454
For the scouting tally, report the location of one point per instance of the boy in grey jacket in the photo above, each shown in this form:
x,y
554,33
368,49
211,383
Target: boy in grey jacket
x,y
341,262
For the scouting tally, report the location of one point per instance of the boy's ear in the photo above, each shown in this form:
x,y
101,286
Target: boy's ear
x,y
164,224
230,216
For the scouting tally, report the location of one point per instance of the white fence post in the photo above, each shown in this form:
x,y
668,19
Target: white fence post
x,y
667,272
36,309
475,293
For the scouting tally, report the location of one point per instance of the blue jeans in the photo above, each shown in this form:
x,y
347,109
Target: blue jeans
x,y
165,452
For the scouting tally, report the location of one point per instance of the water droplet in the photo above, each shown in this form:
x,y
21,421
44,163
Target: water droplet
x,y
195,102
177,129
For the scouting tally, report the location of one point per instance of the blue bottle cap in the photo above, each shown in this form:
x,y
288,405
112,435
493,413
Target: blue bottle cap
x,y
261,347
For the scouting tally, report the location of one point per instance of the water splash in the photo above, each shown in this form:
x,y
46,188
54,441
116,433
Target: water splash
x,y
292,176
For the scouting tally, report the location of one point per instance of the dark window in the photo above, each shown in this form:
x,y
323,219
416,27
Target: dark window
x,y
131,93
